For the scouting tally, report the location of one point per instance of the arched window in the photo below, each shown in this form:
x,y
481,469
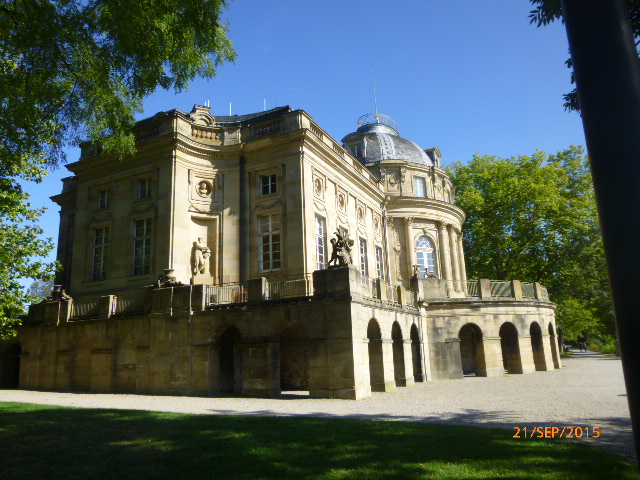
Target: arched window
x,y
426,257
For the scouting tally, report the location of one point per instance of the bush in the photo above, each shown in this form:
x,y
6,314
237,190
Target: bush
x,y
608,346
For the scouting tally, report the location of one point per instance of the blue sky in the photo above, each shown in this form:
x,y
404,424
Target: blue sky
x,y
464,75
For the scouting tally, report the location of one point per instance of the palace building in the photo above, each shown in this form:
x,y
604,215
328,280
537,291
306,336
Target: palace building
x,y
254,254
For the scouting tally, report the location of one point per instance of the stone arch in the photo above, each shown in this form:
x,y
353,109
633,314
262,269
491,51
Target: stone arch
x,y
553,343
537,347
416,355
10,364
230,342
376,358
510,348
398,355
472,350
295,349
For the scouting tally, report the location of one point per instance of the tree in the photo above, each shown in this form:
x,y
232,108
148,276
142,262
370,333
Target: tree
x,y
547,11
78,70
39,290
534,218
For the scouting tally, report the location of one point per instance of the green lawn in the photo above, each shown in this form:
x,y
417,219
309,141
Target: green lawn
x,y
41,442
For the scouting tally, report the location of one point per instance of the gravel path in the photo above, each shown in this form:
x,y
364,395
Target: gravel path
x,y
587,392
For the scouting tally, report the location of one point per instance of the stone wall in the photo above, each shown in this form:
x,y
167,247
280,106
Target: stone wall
x,y
344,341
491,336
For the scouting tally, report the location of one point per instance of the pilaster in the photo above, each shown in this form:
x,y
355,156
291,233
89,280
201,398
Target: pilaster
x,y
410,248
453,248
445,259
463,268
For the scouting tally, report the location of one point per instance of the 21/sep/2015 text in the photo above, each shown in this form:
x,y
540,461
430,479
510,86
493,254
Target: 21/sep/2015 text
x,y
557,432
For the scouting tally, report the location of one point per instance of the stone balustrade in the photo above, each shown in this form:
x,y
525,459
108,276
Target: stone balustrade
x,y
338,281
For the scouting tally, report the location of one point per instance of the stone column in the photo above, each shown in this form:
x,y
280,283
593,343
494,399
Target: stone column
x,y
445,263
411,248
408,363
455,266
548,354
526,354
463,268
387,357
493,357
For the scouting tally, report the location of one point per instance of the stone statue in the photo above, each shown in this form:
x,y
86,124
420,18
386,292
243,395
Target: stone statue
x,y
57,294
341,250
200,255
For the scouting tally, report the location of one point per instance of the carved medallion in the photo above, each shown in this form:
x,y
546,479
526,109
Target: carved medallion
x,y
204,188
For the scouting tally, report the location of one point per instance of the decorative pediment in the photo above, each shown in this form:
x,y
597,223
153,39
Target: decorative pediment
x,y
201,115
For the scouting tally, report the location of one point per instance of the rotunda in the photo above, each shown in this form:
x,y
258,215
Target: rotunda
x,y
425,227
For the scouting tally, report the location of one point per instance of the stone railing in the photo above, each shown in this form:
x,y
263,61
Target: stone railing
x,y
187,299
486,289
223,294
296,286
131,302
263,130
437,289
207,134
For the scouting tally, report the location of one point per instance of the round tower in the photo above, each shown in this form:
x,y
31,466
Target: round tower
x,y
424,227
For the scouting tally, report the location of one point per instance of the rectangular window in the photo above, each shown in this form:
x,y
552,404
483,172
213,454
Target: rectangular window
x,y
379,263
268,184
103,198
363,258
142,247
419,187
144,188
269,242
100,253
321,252
356,150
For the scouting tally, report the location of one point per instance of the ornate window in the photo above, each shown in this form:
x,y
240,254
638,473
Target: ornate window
x,y
426,256
363,258
144,188
268,184
379,263
100,253
142,247
269,246
419,187
103,198
321,251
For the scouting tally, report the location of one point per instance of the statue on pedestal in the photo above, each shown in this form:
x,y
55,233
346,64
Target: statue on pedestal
x,y
200,255
341,250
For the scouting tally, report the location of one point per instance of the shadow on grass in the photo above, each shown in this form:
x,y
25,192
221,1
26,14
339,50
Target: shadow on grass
x,y
615,433
53,442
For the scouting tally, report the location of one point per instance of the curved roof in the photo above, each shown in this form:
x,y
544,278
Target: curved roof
x,y
379,140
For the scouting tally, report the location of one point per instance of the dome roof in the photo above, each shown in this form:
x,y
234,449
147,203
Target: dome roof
x,y
377,139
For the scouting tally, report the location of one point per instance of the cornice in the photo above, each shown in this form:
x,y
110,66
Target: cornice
x,y
488,302
428,204
326,153
150,150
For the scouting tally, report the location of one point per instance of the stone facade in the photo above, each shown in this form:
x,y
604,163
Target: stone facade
x,y
200,267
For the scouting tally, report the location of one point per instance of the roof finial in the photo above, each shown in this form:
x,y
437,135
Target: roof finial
x,y
375,98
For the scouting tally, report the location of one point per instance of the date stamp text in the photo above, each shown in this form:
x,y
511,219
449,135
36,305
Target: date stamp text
x,y
557,432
